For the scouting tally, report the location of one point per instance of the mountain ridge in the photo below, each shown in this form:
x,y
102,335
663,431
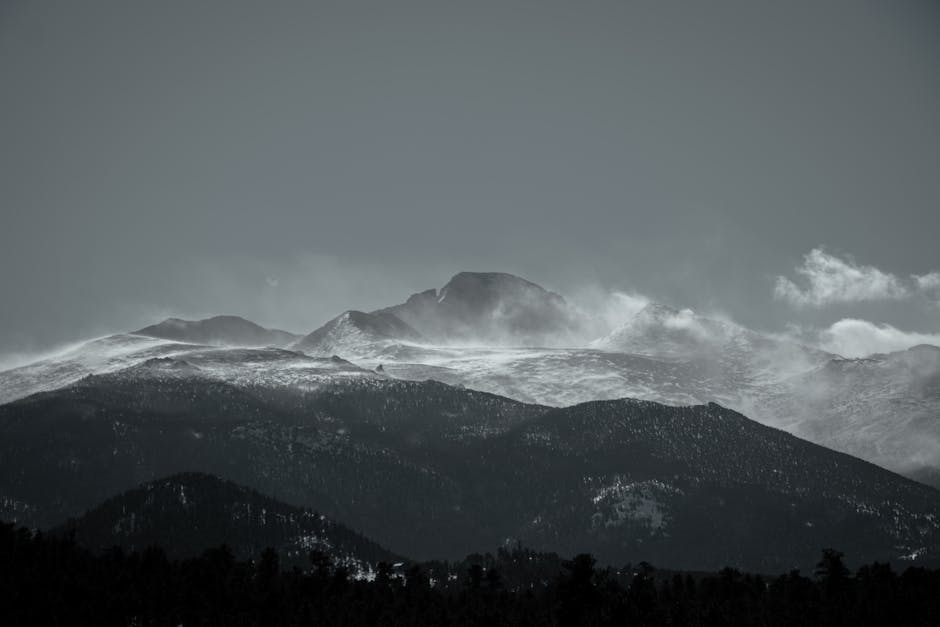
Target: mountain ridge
x,y
881,408
354,331
435,471
488,307
218,330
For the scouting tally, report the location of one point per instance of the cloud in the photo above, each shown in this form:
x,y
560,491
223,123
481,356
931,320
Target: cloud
x,y
927,282
851,337
831,280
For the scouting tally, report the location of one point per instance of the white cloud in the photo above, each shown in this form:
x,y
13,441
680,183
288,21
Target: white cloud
x,y
927,282
859,338
830,280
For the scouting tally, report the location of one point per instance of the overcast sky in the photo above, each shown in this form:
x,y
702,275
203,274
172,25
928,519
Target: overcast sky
x,y
777,162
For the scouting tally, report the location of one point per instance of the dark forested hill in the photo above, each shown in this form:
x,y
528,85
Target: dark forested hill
x,y
435,471
189,513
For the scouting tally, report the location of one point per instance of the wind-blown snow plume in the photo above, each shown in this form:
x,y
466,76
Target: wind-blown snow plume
x,y
834,280
851,337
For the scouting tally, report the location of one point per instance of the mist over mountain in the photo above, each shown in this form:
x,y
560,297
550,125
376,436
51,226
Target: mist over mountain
x,y
267,367
489,308
661,331
505,335
494,416
882,408
562,306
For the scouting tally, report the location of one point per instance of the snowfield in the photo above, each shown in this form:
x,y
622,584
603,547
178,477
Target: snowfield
x,y
884,408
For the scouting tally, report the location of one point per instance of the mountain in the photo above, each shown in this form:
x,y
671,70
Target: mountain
x,y
682,476
474,331
355,333
431,470
489,307
188,513
560,376
101,355
883,408
265,367
218,331
661,331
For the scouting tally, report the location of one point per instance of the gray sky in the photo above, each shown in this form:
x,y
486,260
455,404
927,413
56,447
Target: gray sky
x,y
288,160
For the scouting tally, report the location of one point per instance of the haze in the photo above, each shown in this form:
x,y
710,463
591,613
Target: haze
x,y
286,161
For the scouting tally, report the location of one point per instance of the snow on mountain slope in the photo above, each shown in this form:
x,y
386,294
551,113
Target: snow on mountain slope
x,y
661,354
355,334
106,354
556,376
250,368
884,408
474,333
267,367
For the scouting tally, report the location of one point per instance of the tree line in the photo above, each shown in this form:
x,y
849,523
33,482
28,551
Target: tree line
x,y
51,580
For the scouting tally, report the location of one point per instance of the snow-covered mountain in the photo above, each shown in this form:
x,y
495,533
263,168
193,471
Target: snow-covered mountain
x,y
97,356
218,330
489,332
884,408
489,308
356,334
266,367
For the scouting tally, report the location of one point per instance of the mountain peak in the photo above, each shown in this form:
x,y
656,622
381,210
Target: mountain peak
x,y
225,330
488,307
660,312
489,279
353,331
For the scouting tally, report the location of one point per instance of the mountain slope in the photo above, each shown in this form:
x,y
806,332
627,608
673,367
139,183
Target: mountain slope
x,y
188,513
434,471
218,331
253,367
354,333
883,408
98,356
708,482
